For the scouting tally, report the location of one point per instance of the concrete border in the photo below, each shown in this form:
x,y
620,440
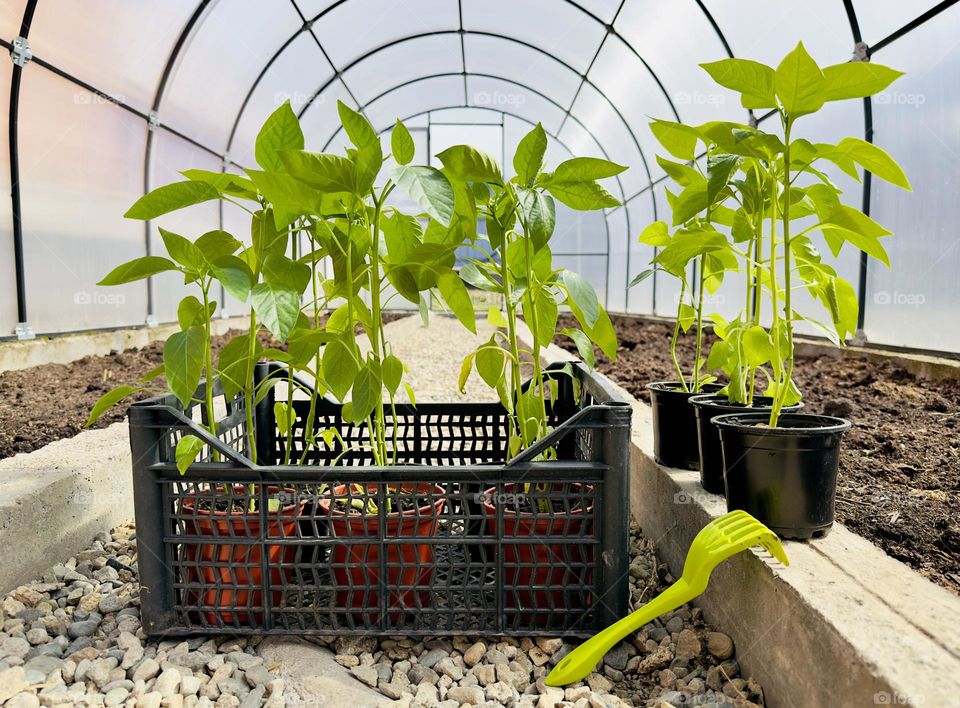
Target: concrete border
x,y
54,500
843,625
63,349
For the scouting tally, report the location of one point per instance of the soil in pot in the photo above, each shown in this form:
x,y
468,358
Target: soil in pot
x,y
706,407
415,513
230,575
675,424
786,476
559,565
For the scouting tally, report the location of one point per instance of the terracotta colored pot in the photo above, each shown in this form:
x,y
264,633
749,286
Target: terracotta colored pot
x,y
544,563
237,567
356,566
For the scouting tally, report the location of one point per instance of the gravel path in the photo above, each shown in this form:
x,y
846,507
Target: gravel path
x,y
73,638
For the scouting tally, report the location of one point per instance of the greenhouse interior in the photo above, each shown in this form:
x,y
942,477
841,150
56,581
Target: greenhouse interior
x,y
581,353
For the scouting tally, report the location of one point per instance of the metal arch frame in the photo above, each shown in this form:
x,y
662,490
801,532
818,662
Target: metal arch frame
x,y
519,84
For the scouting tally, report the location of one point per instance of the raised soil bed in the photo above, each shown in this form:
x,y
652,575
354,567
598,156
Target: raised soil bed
x,y
899,464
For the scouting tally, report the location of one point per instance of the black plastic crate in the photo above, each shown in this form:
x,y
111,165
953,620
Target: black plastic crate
x,y
298,565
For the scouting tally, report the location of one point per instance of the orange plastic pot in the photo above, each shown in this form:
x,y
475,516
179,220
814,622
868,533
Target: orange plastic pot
x,y
234,570
556,565
356,565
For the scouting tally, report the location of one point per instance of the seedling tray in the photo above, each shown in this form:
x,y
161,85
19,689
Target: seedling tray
x,y
237,547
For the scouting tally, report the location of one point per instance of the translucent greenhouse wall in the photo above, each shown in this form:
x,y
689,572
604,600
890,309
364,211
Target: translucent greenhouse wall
x,y
117,98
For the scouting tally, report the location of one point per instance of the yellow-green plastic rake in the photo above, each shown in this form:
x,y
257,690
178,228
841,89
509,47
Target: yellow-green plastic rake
x,y
717,541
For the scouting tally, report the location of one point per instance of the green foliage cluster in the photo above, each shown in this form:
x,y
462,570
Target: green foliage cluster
x,y
309,210
749,201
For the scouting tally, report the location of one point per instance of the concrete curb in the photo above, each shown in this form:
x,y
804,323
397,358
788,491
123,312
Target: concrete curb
x,y
844,625
54,500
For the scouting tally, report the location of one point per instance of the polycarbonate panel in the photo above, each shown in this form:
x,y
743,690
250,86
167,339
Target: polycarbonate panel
x,y
880,18
509,60
8,288
415,98
488,138
673,38
312,8
466,115
640,296
81,167
352,29
916,303
11,13
765,31
514,100
320,120
622,143
406,61
171,156
119,47
559,28
622,80
285,80
229,48
579,232
619,237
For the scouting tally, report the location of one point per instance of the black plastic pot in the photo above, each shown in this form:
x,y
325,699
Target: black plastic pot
x,y
786,476
706,407
674,424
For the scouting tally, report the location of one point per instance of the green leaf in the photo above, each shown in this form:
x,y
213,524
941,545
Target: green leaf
x,y
369,154
107,401
478,278
183,356
752,80
138,269
402,234
282,271
465,368
679,172
873,159
719,169
583,196
284,416
225,182
190,312
430,189
469,164
495,318
171,197
328,173
586,169
540,216
856,79
288,195
584,346
183,251
800,83
401,144
641,276
582,294
277,306
757,346
339,368
690,202
490,361
281,131
656,234
678,139
366,392
234,275
860,230
686,315
392,370
546,309
455,294
214,245
528,160
188,447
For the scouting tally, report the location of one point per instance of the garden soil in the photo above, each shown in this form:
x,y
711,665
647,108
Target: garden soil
x,y
899,482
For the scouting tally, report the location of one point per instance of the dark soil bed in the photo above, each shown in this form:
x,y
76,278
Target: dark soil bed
x,y
900,463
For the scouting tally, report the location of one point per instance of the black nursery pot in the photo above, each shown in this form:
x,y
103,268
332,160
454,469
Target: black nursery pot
x,y
706,407
675,425
786,476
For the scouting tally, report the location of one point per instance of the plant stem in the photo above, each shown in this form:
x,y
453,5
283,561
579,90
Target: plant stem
x,y
534,334
208,361
376,333
786,374
676,337
248,388
696,363
515,383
